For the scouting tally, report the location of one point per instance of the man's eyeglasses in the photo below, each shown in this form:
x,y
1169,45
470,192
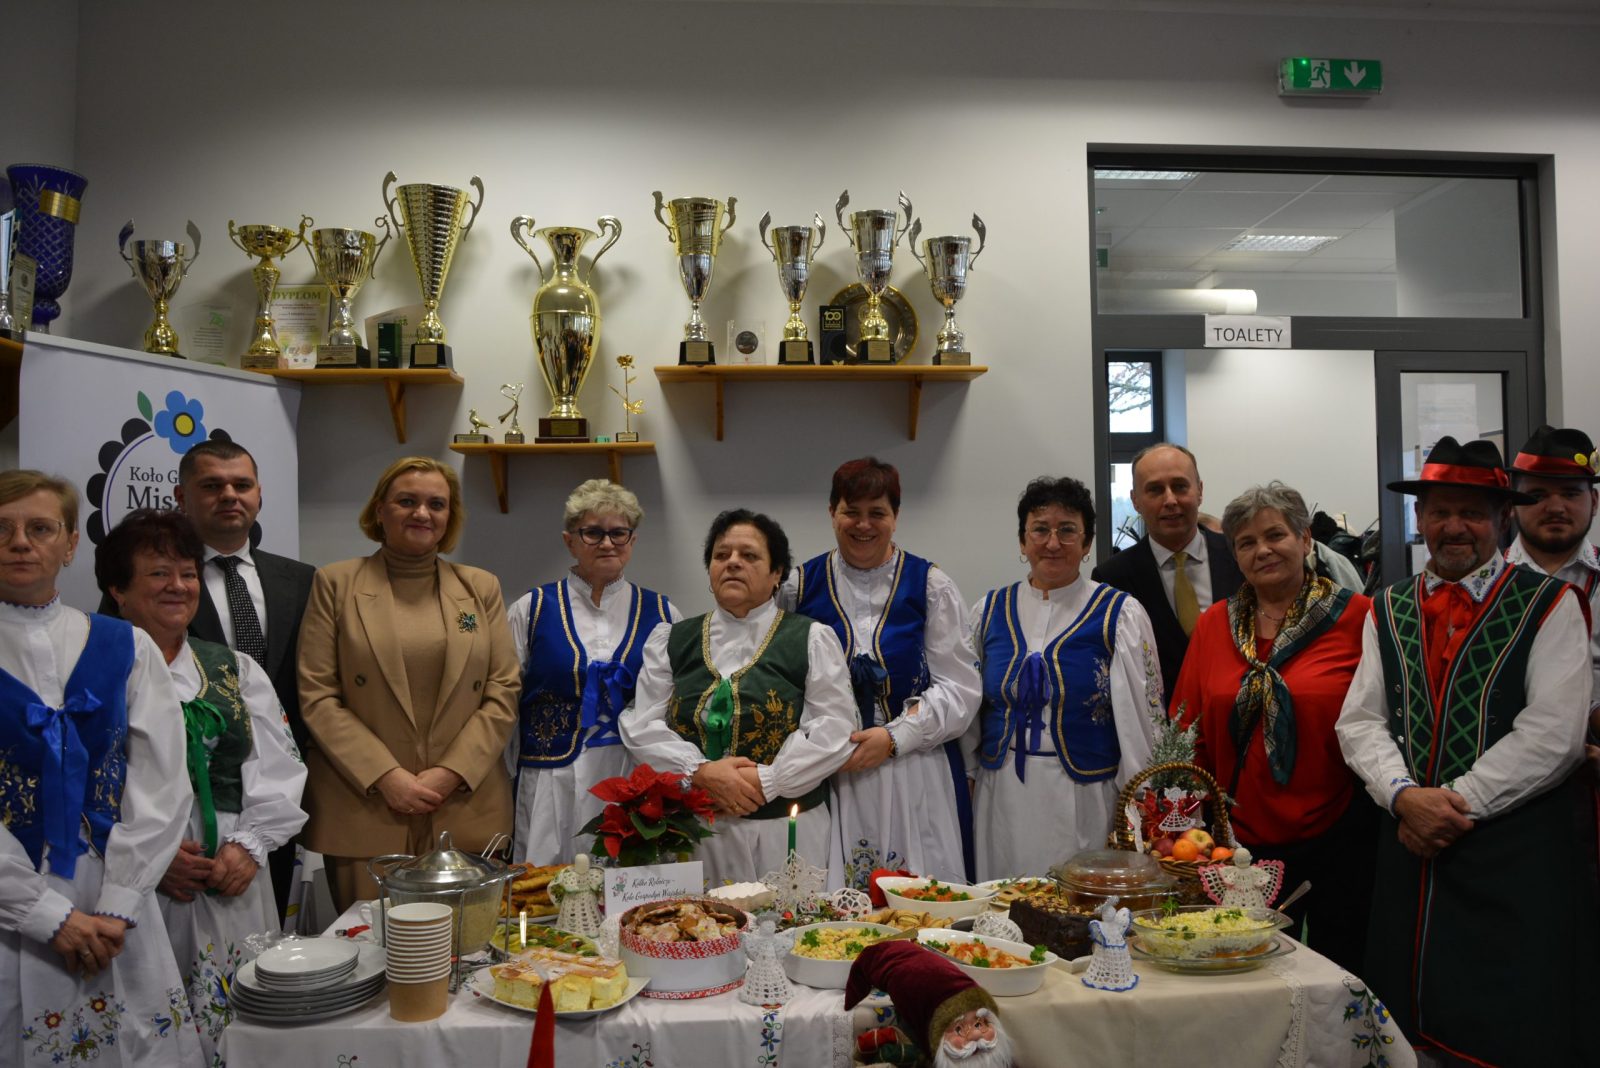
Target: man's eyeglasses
x,y
38,531
1064,533
619,536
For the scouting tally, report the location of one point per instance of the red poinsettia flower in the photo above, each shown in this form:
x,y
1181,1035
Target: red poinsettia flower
x,y
649,814
621,790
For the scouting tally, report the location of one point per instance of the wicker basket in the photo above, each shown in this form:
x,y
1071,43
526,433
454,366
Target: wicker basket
x,y
1190,892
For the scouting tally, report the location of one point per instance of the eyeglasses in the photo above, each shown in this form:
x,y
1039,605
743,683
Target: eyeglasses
x,y
37,531
619,536
1066,532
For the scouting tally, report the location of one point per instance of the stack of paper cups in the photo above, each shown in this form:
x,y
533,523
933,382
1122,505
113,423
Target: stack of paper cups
x,y
417,943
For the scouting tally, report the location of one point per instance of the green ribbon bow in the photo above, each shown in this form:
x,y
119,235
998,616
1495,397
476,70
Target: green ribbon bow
x,y
202,721
719,720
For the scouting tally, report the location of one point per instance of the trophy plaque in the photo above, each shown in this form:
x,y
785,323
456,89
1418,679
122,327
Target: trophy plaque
x,y
874,234
696,231
434,218
9,325
344,260
476,435
630,408
159,266
793,249
565,320
513,393
265,243
946,261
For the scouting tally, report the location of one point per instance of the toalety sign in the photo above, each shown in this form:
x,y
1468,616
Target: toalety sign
x,y
627,887
1248,332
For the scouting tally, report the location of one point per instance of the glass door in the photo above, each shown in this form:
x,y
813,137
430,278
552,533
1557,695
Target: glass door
x,y
1423,396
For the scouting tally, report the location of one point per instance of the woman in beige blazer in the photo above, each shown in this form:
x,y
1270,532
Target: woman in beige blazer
x,y
408,684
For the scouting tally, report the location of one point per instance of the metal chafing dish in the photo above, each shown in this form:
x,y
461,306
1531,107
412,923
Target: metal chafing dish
x,y
471,885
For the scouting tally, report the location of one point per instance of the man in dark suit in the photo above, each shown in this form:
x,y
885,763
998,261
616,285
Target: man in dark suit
x,y
1178,569
250,600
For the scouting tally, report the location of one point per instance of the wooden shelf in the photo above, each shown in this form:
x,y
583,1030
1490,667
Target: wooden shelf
x,y
395,381
497,453
913,374
10,379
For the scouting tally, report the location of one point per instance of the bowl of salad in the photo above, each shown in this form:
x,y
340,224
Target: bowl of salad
x,y
823,952
1004,968
1206,932
935,896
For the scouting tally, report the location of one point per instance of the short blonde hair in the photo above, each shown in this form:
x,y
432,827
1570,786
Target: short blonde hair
x,y
427,465
601,495
25,482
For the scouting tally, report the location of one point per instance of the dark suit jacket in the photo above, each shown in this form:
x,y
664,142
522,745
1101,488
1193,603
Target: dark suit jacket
x,y
1134,570
286,585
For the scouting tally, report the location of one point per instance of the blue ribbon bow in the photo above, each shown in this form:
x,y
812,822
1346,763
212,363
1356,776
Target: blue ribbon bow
x,y
65,778
867,679
606,686
1033,693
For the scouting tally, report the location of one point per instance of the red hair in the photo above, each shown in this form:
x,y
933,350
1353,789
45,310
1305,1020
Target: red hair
x,y
865,479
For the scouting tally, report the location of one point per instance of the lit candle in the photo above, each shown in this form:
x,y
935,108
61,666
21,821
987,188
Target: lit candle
x,y
524,917
794,812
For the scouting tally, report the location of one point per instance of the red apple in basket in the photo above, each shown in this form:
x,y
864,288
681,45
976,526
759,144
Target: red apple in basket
x,y
1163,845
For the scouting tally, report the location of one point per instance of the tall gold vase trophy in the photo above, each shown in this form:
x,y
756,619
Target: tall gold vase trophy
x,y
565,321
874,234
793,249
160,267
696,230
344,259
265,242
946,261
435,219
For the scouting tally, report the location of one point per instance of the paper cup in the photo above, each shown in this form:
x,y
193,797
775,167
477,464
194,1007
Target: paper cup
x,y
413,1002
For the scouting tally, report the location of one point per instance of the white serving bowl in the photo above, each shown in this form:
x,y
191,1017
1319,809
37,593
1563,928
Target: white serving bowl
x,y
827,974
978,899
1001,982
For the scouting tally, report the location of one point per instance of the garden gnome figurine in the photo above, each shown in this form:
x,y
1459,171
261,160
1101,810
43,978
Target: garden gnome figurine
x,y
947,1014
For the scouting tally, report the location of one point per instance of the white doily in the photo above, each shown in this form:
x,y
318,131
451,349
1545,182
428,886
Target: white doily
x,y
994,925
798,886
849,903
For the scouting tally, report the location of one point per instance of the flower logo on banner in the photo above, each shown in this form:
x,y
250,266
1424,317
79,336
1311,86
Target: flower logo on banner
x,y
139,468
181,424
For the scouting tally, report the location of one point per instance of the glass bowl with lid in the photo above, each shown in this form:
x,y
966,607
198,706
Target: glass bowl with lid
x,y
1095,876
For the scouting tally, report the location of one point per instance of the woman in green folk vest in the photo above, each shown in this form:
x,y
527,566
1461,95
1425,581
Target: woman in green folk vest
x,y
243,765
752,702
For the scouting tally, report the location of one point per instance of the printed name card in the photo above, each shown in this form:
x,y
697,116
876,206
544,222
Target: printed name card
x,y
627,887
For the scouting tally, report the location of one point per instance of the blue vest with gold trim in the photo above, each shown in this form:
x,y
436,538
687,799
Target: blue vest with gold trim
x,y
1073,721
62,769
897,643
570,702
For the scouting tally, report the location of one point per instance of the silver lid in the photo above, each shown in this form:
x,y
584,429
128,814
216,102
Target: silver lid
x,y
446,868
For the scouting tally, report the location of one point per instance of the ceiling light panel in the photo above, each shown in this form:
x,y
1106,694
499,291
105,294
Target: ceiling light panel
x,y
1278,242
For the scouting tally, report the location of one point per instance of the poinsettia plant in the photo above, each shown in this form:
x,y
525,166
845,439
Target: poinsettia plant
x,y
649,815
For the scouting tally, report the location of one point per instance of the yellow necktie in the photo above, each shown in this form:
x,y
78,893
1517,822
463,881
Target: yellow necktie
x,y
1183,598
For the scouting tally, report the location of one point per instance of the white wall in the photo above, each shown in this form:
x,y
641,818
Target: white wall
x,y
570,111
1305,417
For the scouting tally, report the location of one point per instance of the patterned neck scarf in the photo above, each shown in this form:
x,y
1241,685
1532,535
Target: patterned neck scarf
x,y
1263,696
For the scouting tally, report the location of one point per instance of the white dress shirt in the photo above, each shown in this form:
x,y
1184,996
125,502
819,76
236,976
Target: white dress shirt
x,y
1197,567
1582,569
216,586
1542,747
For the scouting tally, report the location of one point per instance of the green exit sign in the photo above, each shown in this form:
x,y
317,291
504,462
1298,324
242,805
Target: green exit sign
x,y
1303,76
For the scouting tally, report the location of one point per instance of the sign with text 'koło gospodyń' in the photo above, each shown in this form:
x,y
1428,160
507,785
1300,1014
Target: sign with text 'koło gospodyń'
x,y
1305,76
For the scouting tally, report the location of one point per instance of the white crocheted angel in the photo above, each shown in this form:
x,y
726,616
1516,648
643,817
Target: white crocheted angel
x,y
1242,884
766,983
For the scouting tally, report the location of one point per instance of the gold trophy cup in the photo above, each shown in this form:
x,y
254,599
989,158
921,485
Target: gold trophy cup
x,y
432,218
696,231
874,234
265,242
159,266
344,260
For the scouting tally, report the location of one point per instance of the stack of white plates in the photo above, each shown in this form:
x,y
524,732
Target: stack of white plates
x,y
310,979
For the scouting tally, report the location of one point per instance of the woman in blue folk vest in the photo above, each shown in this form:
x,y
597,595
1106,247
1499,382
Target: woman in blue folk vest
x,y
243,765
580,640
1071,686
902,796
93,801
751,701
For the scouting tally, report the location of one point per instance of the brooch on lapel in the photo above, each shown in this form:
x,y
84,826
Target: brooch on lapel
x,y
467,622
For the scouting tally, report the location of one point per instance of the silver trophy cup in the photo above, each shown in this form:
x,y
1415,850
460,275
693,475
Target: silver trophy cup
x,y
946,261
793,249
874,234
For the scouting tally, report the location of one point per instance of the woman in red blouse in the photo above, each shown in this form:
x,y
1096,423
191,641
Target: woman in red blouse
x,y
1265,676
